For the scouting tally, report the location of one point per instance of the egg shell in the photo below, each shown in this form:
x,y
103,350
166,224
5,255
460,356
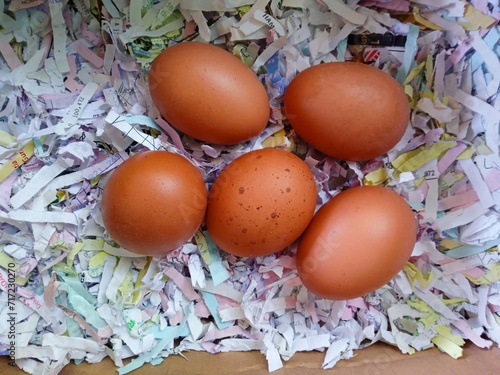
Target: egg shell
x,y
154,202
261,202
347,110
208,93
357,242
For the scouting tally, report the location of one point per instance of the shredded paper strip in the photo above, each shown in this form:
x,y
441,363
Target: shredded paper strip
x,y
74,104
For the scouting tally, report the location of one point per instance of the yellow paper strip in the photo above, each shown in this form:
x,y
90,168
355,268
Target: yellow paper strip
x,y
201,242
75,249
453,301
417,182
429,319
376,177
447,346
6,139
414,274
419,305
61,195
414,72
274,140
482,149
466,154
403,158
429,71
137,294
428,24
490,277
98,259
475,19
5,260
424,156
125,288
93,245
445,331
19,159
427,94
409,91
449,244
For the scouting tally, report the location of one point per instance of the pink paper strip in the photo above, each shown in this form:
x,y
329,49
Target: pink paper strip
x,y
88,55
182,282
471,335
450,156
9,55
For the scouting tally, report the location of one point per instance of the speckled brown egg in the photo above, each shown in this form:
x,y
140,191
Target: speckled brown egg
x,y
153,202
347,110
261,202
208,93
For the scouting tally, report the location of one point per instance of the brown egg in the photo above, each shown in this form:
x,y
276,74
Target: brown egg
x,y
356,243
347,110
154,202
261,203
209,94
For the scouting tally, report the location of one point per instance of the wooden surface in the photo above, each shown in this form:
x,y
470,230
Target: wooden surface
x,y
379,359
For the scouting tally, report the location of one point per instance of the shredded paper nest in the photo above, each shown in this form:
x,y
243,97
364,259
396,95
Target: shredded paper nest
x,y
74,104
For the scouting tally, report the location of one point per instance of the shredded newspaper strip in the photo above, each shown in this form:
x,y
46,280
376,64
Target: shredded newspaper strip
x,y
74,104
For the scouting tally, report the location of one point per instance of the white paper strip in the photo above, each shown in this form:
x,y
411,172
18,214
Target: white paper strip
x,y
119,275
59,28
459,217
44,176
76,109
345,12
477,182
43,216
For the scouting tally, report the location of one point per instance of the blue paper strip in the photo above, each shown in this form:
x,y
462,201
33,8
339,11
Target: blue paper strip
x,y
468,250
218,272
213,306
341,48
142,120
410,50
491,39
168,335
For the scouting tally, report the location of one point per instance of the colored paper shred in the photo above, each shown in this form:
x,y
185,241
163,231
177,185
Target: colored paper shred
x,y
74,104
